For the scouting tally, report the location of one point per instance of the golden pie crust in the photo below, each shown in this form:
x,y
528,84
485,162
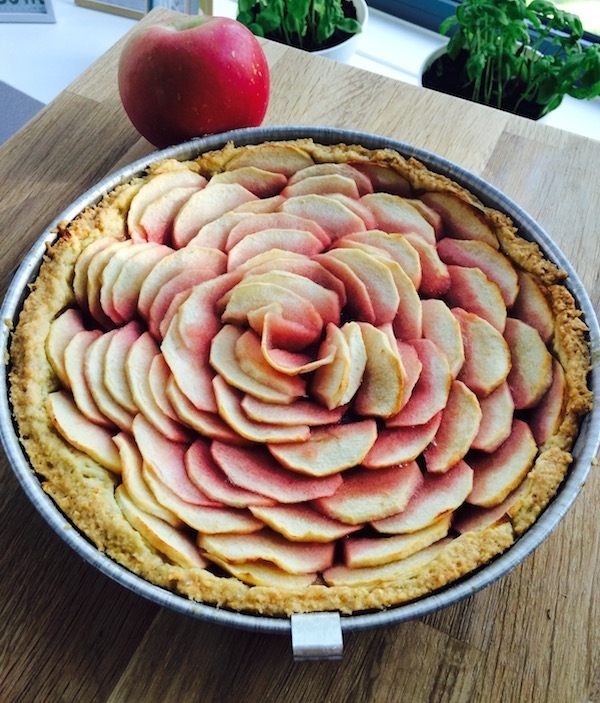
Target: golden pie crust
x,y
85,491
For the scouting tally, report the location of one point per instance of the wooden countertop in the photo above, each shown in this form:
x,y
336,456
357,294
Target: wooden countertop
x,y
70,634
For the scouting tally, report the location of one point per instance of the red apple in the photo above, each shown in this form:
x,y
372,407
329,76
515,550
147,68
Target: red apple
x,y
195,76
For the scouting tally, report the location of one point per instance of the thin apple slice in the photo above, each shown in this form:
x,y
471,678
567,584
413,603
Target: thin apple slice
x,y
333,216
441,327
115,377
328,450
384,178
395,214
259,181
374,576
204,206
381,391
300,412
357,207
87,436
156,221
462,220
437,497
94,281
532,307
531,371
293,557
225,358
259,574
487,355
408,322
134,483
544,420
430,392
278,158
360,306
360,552
471,290
138,365
252,361
435,278
434,218
255,468
159,375
297,240
274,221
496,421
301,523
365,495
94,371
205,423
80,271
204,472
229,403
471,518
362,181
109,275
399,445
459,426
478,254
74,359
413,366
62,330
157,186
214,234
188,258
497,474
174,544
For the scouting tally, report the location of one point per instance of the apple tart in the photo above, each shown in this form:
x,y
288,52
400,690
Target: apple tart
x,y
291,377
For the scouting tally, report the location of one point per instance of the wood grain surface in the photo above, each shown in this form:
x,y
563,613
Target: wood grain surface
x,y
70,634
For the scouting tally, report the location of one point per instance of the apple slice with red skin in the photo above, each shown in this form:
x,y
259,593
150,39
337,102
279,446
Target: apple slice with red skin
x,y
441,327
438,496
376,576
266,545
159,376
84,434
110,274
93,371
74,359
161,184
496,421
94,281
430,392
532,307
261,206
544,420
333,216
302,523
367,495
531,371
296,240
255,468
362,181
395,214
459,426
213,235
328,450
471,518
175,545
356,207
277,221
432,216
210,479
278,158
408,322
435,278
205,423
413,367
301,412
390,244
205,206
381,391
138,365
478,254
264,574
462,220
62,330
360,306
471,290
487,354
322,184
496,475
360,552
383,178
115,378
157,219
134,483
229,403
82,264
262,183
399,445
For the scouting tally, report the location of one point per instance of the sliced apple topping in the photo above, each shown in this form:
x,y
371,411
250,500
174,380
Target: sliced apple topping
x,y
305,372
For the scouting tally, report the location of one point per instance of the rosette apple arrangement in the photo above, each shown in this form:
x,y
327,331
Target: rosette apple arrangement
x,y
517,56
305,24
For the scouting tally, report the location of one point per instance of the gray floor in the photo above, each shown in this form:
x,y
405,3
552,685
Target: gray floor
x,y
16,108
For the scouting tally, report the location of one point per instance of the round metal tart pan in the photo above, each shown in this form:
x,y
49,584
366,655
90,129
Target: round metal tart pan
x,y
317,635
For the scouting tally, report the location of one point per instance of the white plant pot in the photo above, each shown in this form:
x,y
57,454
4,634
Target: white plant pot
x,y
343,52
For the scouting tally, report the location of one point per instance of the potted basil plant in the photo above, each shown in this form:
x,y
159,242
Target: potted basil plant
x,y
327,27
516,56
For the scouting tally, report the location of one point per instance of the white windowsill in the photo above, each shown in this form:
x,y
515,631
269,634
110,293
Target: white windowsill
x,y
42,59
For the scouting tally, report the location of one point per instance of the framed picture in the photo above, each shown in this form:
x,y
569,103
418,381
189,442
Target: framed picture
x,y
138,8
26,11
